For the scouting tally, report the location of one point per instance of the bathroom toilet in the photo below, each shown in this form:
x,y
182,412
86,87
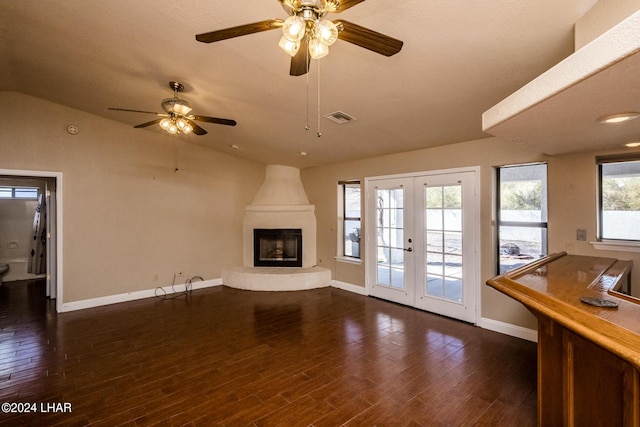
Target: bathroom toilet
x,y
3,269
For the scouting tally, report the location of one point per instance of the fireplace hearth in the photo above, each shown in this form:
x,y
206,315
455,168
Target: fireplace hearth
x,y
280,247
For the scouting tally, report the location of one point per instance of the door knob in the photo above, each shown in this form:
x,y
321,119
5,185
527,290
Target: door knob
x,y
409,249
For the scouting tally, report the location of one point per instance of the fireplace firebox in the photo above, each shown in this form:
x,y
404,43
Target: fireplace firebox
x,y
280,247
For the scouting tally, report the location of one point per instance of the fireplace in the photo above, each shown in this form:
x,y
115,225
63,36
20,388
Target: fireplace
x,y
274,255
281,247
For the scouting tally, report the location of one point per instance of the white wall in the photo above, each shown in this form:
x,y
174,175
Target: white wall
x,y
129,221
571,195
16,224
603,16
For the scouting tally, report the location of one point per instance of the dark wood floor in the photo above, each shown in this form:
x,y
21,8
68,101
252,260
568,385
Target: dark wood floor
x,y
231,358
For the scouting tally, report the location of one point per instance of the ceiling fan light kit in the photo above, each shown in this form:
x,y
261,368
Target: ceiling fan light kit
x,y
290,47
320,33
173,125
326,32
307,35
294,28
317,49
177,117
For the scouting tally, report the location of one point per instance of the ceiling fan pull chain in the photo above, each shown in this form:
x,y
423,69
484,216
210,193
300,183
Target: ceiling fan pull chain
x,y
319,134
307,127
175,156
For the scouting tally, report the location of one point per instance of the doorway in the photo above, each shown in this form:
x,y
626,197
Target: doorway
x,y
50,184
422,241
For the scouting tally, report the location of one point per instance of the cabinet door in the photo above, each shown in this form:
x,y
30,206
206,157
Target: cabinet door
x,y
597,391
581,384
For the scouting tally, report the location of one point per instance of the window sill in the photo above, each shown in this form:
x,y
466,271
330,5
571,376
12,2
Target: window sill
x,y
348,260
616,246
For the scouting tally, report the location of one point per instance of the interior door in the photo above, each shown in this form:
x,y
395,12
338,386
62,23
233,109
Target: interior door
x,y
421,243
391,245
52,261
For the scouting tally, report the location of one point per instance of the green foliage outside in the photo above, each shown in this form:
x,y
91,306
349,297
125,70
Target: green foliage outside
x,y
521,195
448,197
621,194
618,194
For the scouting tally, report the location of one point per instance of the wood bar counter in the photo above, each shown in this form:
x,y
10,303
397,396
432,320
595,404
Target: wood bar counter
x,y
588,356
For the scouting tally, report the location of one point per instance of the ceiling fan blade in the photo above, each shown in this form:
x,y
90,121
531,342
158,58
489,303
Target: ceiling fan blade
x,y
152,122
369,39
300,63
346,4
241,30
135,111
197,129
216,120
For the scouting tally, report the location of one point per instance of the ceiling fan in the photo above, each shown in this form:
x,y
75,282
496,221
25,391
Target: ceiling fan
x,y
306,34
176,117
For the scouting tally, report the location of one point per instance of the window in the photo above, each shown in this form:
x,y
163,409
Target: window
x,y
521,215
619,197
349,219
18,192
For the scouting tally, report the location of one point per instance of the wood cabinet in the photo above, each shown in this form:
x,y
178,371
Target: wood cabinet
x,y
588,356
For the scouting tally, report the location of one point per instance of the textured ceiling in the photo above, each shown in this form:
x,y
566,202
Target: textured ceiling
x,y
459,59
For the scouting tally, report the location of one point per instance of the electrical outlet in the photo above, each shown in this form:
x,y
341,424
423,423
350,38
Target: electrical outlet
x,y
581,234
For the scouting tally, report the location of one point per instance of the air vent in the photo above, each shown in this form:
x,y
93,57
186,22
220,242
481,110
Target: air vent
x,y
340,117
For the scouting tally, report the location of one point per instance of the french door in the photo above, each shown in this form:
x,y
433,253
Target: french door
x,y
390,241
421,241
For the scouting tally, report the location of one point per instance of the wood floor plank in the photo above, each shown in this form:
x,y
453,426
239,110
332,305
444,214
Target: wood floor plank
x,y
226,357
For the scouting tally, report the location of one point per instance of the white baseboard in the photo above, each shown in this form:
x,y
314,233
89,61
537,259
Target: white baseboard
x,y
485,323
508,329
131,296
349,287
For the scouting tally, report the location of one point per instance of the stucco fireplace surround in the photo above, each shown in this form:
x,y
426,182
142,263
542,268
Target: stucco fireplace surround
x,y
281,203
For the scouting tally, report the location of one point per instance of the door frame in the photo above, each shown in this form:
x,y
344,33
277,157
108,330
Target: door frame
x,y
58,277
370,258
